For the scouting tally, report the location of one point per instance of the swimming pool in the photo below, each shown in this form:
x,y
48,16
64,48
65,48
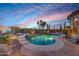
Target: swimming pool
x,y
42,39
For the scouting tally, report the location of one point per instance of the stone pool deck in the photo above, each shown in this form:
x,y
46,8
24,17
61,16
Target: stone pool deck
x,y
69,49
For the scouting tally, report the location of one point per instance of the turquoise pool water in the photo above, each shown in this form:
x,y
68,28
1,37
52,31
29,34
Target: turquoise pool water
x,y
42,39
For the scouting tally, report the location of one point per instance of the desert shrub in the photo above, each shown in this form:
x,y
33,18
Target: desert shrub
x,y
4,39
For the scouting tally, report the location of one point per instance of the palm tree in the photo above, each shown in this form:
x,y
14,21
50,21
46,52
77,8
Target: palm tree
x,y
42,24
48,28
60,27
38,24
64,25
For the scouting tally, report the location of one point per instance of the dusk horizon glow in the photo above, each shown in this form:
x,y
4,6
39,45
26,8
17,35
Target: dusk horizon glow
x,y
27,15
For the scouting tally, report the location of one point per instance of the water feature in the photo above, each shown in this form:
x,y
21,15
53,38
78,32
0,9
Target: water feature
x,y
42,39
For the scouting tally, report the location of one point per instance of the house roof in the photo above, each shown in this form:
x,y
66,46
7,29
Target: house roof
x,y
73,14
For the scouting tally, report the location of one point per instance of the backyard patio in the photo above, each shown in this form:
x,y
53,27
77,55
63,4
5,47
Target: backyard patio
x,y
39,29
69,49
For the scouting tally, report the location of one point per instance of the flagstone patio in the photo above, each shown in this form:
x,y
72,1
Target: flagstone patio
x,y
69,49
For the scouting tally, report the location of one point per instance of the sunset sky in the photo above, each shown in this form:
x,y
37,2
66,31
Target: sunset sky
x,y
27,15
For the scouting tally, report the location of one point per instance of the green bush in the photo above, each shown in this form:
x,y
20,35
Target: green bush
x,y
4,39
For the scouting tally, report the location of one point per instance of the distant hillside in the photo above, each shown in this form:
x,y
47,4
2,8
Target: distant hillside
x,y
4,28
